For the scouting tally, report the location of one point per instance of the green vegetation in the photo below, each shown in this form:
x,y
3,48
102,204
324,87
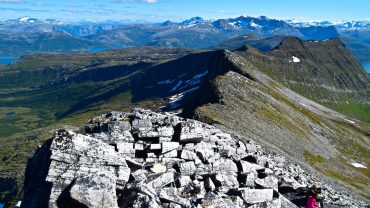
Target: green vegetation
x,y
272,115
313,159
18,119
337,81
354,110
257,108
41,93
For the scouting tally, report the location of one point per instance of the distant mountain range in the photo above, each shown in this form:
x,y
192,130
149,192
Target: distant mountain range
x,y
27,35
355,25
238,22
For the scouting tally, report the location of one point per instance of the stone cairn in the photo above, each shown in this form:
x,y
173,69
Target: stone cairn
x,y
146,159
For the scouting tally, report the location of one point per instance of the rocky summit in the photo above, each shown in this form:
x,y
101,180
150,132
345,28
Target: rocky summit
x,y
147,159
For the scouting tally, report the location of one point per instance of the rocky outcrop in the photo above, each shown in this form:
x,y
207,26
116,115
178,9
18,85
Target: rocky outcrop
x,y
145,159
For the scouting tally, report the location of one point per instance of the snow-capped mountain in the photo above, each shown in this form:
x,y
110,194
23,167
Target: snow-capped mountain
x,y
27,19
362,24
32,21
195,21
261,25
195,32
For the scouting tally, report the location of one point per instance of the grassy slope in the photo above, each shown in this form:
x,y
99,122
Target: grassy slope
x,y
333,78
40,88
40,42
292,126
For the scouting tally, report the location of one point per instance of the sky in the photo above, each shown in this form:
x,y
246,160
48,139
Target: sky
x,y
177,10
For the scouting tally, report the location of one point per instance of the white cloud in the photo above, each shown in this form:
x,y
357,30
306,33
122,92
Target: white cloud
x,y
12,1
135,1
151,1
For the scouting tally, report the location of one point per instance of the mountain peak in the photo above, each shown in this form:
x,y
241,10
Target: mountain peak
x,y
289,42
192,21
197,18
263,18
27,19
168,23
24,19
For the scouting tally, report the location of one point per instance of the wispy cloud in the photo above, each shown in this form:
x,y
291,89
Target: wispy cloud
x,y
22,9
135,1
13,1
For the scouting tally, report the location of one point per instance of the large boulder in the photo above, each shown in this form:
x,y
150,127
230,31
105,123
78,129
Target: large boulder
x,y
253,196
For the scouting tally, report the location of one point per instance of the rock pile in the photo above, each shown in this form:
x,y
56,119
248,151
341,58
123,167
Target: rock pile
x,y
145,159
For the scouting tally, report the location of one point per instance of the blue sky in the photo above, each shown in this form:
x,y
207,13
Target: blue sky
x,y
160,10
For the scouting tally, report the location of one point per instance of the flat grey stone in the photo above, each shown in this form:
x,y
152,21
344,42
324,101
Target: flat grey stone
x,y
253,196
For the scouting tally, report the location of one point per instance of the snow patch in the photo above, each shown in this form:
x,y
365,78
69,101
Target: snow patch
x,y
252,24
176,86
236,25
24,19
296,59
188,26
165,82
174,100
195,80
352,122
358,165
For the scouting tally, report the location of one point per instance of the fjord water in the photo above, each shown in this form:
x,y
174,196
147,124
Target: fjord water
x,y
367,66
7,59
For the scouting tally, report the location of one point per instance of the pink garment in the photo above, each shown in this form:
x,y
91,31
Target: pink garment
x,y
311,202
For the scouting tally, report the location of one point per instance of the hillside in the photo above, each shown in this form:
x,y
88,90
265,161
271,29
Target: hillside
x,y
325,72
42,88
358,42
248,103
243,92
262,44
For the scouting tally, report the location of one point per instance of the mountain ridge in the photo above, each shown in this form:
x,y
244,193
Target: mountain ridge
x,y
236,91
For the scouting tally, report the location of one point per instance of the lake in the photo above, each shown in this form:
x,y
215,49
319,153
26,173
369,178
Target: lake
x,y
367,66
10,113
98,49
6,59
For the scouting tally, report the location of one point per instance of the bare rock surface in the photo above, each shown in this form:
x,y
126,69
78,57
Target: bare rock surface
x,y
147,159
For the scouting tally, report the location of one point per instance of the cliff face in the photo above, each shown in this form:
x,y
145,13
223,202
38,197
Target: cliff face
x,y
145,159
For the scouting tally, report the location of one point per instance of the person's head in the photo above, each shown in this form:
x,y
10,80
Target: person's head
x,y
318,189
313,187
